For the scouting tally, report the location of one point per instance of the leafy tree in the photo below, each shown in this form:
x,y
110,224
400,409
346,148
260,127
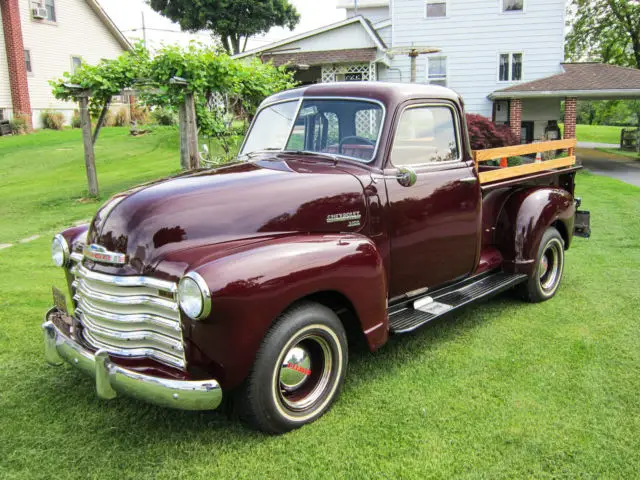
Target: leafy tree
x,y
232,21
606,31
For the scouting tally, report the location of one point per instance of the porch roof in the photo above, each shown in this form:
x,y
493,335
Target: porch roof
x,y
354,55
580,80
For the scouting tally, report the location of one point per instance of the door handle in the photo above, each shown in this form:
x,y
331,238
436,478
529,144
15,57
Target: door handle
x,y
469,180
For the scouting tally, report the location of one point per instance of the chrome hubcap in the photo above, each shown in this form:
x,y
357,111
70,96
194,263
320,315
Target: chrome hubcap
x,y
550,266
295,369
305,372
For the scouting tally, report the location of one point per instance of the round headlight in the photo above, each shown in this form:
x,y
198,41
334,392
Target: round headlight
x,y
194,296
59,251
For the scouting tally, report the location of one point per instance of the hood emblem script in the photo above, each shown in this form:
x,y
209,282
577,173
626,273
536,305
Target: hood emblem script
x,y
343,217
100,254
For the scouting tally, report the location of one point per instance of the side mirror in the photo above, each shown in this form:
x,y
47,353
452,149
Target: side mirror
x,y
407,176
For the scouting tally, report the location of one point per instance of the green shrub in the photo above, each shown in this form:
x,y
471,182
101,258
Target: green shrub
x,y
140,114
121,117
164,116
52,120
75,119
19,124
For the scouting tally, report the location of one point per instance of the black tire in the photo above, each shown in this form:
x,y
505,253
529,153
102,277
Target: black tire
x,y
298,371
549,267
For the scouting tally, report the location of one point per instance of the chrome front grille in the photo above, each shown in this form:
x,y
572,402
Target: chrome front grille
x,y
130,316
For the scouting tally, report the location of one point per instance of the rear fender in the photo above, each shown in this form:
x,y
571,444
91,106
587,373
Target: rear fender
x,y
251,288
523,220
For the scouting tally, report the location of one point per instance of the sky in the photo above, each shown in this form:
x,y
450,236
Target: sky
x,y
127,15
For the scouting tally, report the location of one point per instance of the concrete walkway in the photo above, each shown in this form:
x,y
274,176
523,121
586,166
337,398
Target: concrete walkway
x,y
611,165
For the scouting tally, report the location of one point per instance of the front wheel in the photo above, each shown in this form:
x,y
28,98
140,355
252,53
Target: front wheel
x,y
298,371
545,279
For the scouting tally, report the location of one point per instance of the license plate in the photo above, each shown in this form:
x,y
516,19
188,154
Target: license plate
x,y
59,300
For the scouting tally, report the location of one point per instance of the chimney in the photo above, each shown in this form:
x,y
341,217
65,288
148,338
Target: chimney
x,y
14,45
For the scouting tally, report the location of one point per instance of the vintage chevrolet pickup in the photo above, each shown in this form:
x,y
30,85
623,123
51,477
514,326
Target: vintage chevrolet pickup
x,y
354,211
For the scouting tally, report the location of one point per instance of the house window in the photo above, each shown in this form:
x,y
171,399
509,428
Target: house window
x,y
436,8
512,5
76,63
510,67
437,71
51,10
27,61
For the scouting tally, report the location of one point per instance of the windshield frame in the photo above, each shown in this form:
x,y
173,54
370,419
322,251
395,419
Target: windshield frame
x,y
300,100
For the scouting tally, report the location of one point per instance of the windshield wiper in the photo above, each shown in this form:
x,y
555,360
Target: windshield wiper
x,y
250,155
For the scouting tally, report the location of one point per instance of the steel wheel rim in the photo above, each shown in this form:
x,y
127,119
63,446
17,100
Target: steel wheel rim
x,y
550,266
299,395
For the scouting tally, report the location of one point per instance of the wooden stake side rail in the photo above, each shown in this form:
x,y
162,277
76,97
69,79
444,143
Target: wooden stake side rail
x,y
517,171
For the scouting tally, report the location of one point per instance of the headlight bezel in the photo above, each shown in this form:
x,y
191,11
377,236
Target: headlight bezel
x,y
66,251
205,295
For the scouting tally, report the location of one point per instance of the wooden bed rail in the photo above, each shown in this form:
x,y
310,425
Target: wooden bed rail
x,y
510,172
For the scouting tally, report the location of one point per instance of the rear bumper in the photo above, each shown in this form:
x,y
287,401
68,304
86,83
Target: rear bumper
x,y
112,379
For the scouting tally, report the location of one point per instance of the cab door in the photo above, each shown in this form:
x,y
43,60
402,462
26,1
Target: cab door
x,y
433,223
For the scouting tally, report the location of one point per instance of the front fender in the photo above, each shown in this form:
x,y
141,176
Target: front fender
x,y
523,220
250,288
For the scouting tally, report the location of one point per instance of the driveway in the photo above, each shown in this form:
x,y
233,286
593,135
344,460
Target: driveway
x,y
596,145
614,166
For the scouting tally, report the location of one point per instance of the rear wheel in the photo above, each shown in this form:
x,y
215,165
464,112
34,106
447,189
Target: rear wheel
x,y
298,371
549,267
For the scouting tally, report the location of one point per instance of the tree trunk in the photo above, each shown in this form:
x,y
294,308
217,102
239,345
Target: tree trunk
x,y
89,158
235,43
103,114
192,131
184,147
225,43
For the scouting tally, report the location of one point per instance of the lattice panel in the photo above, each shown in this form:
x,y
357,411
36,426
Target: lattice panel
x,y
365,72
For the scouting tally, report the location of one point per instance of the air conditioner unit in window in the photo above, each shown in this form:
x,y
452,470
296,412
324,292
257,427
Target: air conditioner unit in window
x,y
39,12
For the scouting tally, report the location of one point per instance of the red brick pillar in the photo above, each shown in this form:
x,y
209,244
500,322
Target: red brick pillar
x,y
570,109
12,29
515,117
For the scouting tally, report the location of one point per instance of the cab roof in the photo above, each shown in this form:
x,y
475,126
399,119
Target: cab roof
x,y
390,94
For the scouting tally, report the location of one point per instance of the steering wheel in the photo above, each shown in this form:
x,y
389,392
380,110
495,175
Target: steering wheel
x,y
360,140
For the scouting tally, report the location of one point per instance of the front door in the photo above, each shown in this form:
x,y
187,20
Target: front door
x,y
433,224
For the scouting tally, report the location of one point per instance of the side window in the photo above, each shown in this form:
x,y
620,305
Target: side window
x,y
315,131
425,135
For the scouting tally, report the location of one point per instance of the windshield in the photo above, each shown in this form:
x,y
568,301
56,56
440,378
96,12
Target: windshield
x,y
343,127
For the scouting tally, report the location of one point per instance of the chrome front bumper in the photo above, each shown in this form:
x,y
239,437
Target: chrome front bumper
x,y
112,379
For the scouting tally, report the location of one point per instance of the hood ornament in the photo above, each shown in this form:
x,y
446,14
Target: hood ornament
x,y
100,254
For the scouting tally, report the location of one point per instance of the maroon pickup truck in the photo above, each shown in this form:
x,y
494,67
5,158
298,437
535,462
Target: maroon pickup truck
x,y
354,211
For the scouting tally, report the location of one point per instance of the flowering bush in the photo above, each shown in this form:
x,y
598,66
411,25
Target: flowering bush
x,y
483,133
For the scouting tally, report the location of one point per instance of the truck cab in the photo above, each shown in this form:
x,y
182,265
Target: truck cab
x,y
355,211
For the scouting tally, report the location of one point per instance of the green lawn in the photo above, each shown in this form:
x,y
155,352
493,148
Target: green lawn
x,y
598,133
504,390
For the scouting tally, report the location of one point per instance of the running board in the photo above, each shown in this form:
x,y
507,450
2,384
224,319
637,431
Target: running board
x,y
416,312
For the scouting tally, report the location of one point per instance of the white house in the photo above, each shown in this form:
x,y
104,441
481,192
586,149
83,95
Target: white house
x,y
485,46
40,41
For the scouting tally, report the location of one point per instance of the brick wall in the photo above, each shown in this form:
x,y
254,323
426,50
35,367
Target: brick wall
x,y
515,117
570,111
11,26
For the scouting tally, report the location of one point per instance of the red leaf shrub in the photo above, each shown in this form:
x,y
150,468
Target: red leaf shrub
x,y
483,133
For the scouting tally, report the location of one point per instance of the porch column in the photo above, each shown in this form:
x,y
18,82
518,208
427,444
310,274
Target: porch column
x,y
515,118
570,112
14,46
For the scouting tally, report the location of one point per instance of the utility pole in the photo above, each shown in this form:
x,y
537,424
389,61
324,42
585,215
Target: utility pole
x,y
355,6
144,31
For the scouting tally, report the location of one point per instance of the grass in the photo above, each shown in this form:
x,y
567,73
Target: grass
x,y
623,153
598,133
503,390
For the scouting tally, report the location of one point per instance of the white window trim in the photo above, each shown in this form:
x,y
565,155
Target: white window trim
x,y
512,12
510,67
446,2
446,70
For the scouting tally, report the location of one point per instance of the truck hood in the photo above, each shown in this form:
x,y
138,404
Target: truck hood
x,y
242,202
